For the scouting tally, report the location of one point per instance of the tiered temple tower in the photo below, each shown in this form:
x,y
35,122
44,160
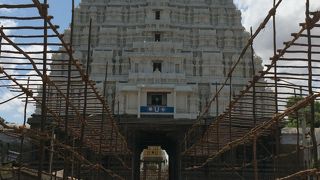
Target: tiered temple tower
x,y
162,57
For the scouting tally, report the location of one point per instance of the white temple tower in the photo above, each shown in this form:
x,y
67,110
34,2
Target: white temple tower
x,y
163,57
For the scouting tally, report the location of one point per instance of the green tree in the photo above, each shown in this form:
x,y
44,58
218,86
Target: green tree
x,y
303,113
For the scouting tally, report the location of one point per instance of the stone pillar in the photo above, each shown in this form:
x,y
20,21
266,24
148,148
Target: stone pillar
x,y
174,103
126,104
139,102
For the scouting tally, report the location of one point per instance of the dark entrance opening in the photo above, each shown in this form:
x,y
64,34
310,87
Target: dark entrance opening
x,y
145,139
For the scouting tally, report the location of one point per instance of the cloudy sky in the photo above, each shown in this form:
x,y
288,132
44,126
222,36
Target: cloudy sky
x,y
290,13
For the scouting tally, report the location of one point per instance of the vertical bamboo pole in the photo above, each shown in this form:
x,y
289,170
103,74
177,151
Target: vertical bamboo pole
x,y
66,154
276,130
24,125
230,99
217,114
254,84
51,152
255,163
298,134
44,89
310,73
103,112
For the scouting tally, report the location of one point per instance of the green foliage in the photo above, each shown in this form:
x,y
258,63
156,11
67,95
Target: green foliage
x,y
303,113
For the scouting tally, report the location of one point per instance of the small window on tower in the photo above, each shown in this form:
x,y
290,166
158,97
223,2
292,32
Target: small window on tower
x,y
156,99
156,66
157,15
157,37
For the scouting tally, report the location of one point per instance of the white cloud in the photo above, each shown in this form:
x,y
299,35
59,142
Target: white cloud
x,y
13,111
289,15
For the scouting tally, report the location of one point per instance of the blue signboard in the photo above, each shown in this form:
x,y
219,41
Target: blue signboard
x,y
156,109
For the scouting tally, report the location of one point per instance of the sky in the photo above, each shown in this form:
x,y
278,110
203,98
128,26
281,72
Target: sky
x,y
290,13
